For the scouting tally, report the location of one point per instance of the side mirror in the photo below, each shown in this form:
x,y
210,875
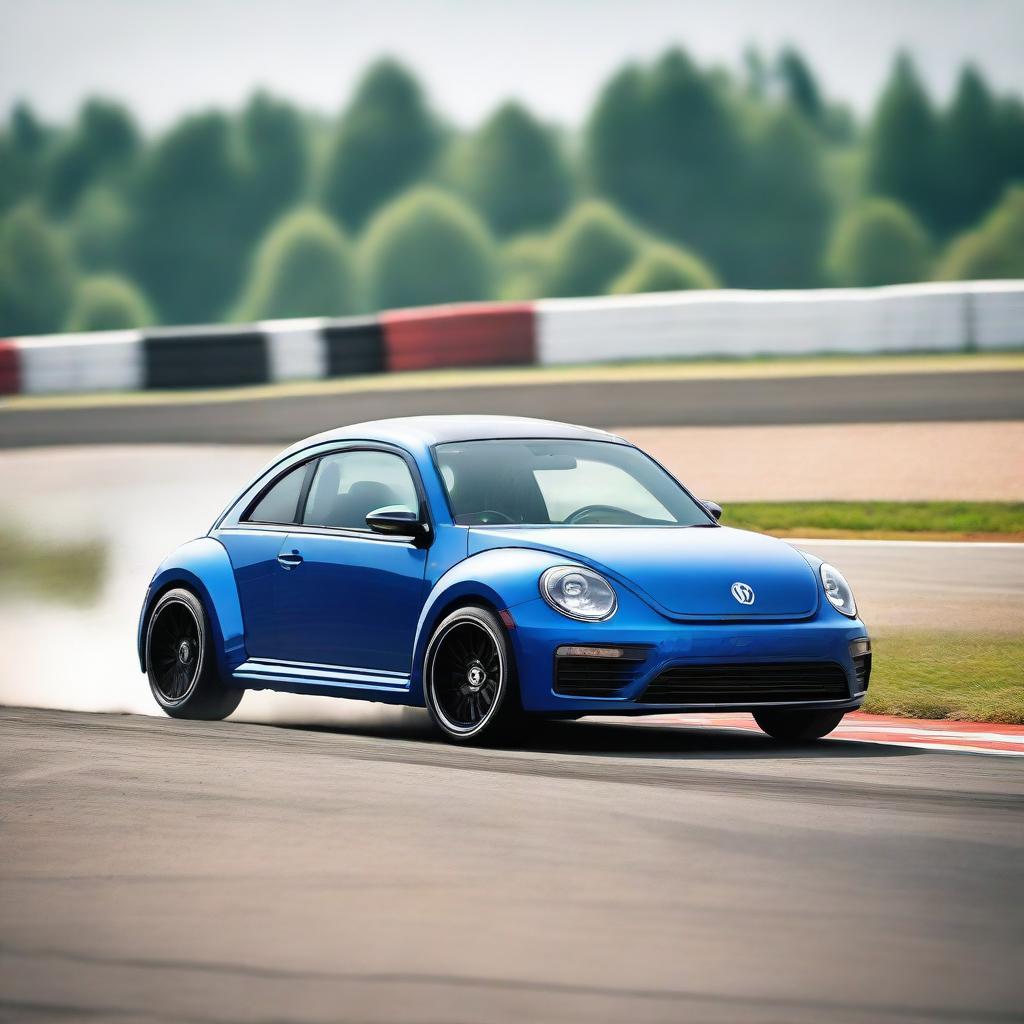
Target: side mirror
x,y
714,508
398,522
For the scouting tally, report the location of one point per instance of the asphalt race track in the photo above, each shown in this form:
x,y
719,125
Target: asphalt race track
x,y
156,870
869,398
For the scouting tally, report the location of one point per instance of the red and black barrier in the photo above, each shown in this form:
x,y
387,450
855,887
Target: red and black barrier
x,y
204,358
471,335
353,346
10,383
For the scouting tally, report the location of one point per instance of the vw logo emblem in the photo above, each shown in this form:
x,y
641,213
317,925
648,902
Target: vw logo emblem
x,y
743,592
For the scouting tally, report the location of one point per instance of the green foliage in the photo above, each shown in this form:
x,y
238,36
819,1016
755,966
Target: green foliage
x,y
664,268
590,249
664,144
524,267
105,140
107,302
304,267
427,247
275,155
385,141
515,172
188,244
99,229
800,86
969,168
878,242
785,208
36,274
995,250
903,145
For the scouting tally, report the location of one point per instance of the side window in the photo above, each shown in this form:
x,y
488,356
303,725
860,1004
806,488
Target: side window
x,y
350,485
281,503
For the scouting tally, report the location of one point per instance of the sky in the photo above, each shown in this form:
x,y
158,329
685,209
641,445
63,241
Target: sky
x,y
164,57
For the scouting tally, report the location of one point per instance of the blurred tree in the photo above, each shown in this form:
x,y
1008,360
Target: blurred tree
x,y
591,248
16,173
27,131
664,268
104,140
970,166
275,160
188,243
515,172
800,87
667,147
99,229
303,267
1010,138
993,251
426,247
36,274
878,242
902,148
782,216
108,302
524,267
385,141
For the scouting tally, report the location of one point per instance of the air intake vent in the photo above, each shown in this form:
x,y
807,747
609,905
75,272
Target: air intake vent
x,y
769,683
600,672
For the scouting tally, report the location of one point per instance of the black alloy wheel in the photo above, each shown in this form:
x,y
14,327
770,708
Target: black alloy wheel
x,y
180,660
468,676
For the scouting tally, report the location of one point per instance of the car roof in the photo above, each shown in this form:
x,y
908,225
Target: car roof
x,y
431,430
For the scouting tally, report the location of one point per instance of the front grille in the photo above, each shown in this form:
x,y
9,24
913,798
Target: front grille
x,y
596,677
769,683
862,667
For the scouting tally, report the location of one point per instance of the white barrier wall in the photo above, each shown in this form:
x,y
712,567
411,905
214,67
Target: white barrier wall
x,y
105,361
676,325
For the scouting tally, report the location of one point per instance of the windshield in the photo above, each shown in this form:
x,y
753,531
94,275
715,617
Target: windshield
x,y
572,483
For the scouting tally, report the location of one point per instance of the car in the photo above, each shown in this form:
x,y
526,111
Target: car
x,y
496,570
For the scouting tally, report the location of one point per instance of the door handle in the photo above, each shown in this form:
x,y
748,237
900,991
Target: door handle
x,y
290,559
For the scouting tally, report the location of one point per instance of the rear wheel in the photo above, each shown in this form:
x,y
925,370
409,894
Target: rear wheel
x,y
468,678
797,726
180,661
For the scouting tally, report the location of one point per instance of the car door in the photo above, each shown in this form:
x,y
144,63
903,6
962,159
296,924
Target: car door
x,y
254,546
346,596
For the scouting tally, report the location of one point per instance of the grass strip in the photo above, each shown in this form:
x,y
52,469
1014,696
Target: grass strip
x,y
955,676
990,520
68,571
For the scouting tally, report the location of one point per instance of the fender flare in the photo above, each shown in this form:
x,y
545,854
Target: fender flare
x,y
203,566
500,578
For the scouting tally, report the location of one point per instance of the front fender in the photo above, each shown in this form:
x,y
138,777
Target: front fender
x,y
202,565
499,577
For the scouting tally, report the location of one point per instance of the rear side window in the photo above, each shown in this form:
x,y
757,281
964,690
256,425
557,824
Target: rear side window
x,y
281,503
348,486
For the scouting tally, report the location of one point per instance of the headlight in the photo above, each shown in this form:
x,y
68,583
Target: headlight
x,y
837,590
578,592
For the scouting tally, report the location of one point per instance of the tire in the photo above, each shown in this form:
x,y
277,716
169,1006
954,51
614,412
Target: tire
x,y
181,663
797,726
469,681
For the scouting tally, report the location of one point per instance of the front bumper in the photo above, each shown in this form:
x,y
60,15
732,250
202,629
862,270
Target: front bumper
x,y
823,640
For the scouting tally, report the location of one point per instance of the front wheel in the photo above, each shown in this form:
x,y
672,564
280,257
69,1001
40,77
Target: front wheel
x,y
180,660
469,678
797,726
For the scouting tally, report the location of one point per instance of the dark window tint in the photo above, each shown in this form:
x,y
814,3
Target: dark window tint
x,y
573,483
350,485
281,503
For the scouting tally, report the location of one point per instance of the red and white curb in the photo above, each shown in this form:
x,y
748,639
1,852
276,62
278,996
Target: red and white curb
x,y
927,734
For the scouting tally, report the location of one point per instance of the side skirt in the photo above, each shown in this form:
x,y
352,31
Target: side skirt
x,y
322,680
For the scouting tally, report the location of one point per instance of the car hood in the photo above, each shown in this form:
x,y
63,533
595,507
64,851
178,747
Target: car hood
x,y
684,572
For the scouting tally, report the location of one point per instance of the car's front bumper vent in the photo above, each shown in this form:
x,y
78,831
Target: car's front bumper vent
x,y
768,683
862,669
597,671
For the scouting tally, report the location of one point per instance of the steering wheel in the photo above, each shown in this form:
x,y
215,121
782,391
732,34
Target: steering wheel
x,y
584,515
491,516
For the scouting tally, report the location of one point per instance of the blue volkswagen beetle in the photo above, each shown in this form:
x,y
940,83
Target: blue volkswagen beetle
x,y
494,569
